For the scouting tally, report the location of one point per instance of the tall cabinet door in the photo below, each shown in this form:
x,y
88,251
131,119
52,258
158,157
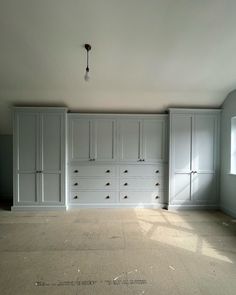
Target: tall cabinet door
x,y
80,139
26,158
104,139
181,158
52,160
154,139
204,158
130,140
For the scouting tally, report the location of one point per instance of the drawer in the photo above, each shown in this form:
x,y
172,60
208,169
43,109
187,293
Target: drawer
x,y
93,171
93,197
142,183
141,170
140,197
93,183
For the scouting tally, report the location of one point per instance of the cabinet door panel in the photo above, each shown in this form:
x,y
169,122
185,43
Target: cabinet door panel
x,y
27,192
204,188
51,142
51,188
130,140
27,141
182,188
154,140
104,139
80,139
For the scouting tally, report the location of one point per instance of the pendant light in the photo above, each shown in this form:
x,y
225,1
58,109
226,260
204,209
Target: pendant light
x,y
88,48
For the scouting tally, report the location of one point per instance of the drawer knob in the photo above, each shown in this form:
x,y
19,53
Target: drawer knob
x,y
157,171
76,171
108,183
108,171
76,183
157,197
75,197
157,183
107,197
126,171
126,184
125,197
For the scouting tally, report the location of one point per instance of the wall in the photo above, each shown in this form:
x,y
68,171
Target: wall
x,y
228,181
6,167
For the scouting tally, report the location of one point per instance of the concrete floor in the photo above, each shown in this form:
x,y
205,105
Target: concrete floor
x,y
117,251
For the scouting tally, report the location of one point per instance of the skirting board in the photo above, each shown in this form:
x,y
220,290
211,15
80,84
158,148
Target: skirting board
x,y
152,206
228,211
38,208
193,207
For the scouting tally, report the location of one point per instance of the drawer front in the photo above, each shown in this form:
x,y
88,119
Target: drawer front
x,y
93,171
141,170
93,184
142,183
140,197
93,197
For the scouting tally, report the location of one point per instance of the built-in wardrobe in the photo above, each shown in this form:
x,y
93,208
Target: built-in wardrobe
x,y
73,160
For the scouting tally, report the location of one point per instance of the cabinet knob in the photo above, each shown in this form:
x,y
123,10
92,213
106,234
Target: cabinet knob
x,y
76,171
157,171
157,183
143,160
125,197
108,183
139,160
108,171
126,171
126,183
75,197
107,197
76,183
157,197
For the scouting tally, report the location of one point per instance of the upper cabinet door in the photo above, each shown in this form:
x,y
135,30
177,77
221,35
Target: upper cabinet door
x,y
52,157
104,139
80,139
130,140
26,157
154,140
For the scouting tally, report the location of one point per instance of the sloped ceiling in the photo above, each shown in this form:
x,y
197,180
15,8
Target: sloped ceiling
x,y
146,55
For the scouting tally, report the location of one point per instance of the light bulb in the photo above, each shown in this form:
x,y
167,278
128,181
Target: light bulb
x,y
86,76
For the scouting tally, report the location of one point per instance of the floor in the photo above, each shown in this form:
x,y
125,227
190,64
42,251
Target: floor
x,y
117,251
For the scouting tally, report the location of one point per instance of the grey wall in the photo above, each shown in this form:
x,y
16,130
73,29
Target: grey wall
x,y
228,181
6,167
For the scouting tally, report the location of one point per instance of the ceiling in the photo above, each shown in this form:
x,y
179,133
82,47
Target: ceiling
x,y
146,55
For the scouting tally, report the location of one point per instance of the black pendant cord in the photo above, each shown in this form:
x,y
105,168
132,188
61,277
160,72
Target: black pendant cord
x,y
87,68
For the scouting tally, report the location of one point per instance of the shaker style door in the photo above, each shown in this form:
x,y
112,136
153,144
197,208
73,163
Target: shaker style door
x,y
26,153
181,149
130,140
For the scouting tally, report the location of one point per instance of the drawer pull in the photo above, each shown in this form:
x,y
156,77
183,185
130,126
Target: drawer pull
x,y
157,197
157,183
75,197
126,184
157,171
76,183
108,171
76,171
107,197
126,171
108,183
125,197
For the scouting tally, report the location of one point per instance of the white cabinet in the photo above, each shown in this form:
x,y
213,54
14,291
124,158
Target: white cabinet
x,y
143,139
91,139
39,157
194,157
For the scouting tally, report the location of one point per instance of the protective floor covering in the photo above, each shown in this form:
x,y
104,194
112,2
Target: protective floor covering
x,y
117,251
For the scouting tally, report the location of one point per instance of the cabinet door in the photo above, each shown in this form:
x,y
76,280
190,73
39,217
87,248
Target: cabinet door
x,y
26,158
204,158
181,156
130,140
154,140
52,158
80,139
104,139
